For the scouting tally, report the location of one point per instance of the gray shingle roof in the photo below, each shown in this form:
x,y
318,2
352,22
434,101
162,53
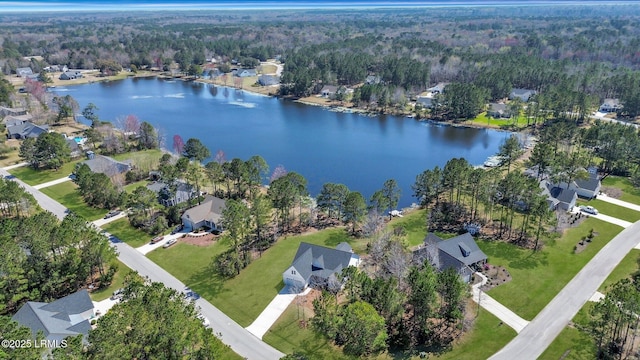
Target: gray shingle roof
x,y
210,209
563,195
106,165
591,183
319,261
463,248
57,318
27,129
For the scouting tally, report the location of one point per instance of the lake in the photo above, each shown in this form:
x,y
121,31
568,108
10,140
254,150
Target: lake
x,y
324,146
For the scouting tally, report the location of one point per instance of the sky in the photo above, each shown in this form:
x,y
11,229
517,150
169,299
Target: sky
x,y
117,5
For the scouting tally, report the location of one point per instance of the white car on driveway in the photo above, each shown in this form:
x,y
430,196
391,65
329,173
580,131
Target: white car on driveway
x,y
589,209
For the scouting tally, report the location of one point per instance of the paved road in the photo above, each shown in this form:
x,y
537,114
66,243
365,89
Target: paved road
x,y
238,338
45,202
601,116
534,339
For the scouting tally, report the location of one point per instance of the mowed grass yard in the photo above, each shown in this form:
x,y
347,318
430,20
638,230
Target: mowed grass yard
x,y
487,121
35,177
629,192
127,233
116,283
538,276
610,209
66,194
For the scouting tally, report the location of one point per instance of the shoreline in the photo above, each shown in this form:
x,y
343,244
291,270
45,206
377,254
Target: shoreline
x,y
266,92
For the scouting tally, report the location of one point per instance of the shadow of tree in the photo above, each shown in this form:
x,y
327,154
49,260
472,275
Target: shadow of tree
x,y
206,283
337,237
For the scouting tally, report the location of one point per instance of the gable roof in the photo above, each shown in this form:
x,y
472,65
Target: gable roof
x,y
563,195
27,129
320,261
107,165
266,80
210,209
462,248
591,184
24,71
59,318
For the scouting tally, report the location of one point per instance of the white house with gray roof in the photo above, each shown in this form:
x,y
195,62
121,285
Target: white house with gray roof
x,y
67,316
316,265
208,214
107,165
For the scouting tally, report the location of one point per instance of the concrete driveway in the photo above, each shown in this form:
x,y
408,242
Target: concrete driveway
x,y
148,247
53,182
534,339
603,217
272,312
619,202
103,221
493,306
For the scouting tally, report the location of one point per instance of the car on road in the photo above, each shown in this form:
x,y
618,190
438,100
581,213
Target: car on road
x,y
589,210
204,320
169,243
112,213
157,239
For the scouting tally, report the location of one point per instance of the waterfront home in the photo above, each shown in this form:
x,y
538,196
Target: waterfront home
x,y
318,266
70,75
208,215
328,91
27,129
245,72
166,197
24,71
460,253
106,165
268,80
497,110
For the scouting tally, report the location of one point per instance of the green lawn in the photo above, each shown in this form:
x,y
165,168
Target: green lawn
x,y
629,192
573,344
612,210
627,266
116,283
145,159
35,177
484,120
66,194
486,337
414,224
127,233
287,336
131,187
538,276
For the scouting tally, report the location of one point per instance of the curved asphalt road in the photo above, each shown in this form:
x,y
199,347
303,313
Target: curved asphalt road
x,y
534,339
238,338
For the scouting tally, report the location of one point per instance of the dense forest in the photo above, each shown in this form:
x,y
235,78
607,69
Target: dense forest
x,y
573,57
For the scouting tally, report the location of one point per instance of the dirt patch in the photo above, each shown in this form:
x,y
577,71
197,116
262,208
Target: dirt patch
x,y
612,192
202,240
496,275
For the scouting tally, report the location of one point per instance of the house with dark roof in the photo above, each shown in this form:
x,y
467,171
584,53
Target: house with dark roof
x,y
438,88
610,105
67,316
497,110
315,265
107,165
70,75
522,94
25,130
587,188
208,214
328,91
268,80
425,101
24,71
460,253
166,197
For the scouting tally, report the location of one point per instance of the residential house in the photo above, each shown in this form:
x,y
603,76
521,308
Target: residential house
x,y
522,94
246,72
7,111
76,151
610,105
56,68
16,120
70,75
587,188
558,197
183,193
268,80
497,110
24,72
25,130
208,214
315,265
425,101
372,80
438,88
67,316
460,253
106,165
328,91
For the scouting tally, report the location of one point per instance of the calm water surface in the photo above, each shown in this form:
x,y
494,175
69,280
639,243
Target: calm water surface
x,y
356,150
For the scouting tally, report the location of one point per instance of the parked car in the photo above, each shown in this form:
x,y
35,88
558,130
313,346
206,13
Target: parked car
x,y
157,239
176,230
169,243
204,320
589,210
112,213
